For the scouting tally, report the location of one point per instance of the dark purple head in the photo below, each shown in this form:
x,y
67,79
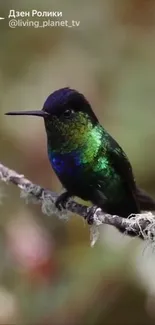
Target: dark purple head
x,y
67,102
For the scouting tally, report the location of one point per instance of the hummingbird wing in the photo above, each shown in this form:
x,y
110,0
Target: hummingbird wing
x,y
121,164
123,167
146,202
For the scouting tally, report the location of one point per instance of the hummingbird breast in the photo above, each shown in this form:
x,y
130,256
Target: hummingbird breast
x,y
85,169
81,176
74,153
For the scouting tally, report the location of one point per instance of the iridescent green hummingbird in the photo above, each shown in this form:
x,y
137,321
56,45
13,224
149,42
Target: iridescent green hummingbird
x,y
89,163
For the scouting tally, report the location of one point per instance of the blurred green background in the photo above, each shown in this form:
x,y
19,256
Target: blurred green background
x,y
48,272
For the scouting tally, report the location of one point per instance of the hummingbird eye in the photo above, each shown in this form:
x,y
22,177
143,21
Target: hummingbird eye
x,y
68,112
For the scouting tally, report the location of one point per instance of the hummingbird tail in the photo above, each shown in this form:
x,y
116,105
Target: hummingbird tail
x,y
146,202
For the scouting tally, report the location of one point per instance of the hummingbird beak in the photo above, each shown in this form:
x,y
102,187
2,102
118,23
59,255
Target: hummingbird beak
x,y
34,113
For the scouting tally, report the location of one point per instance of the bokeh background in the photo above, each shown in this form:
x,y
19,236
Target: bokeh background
x,y
48,272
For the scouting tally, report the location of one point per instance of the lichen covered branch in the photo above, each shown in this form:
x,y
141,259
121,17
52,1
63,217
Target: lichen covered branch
x,y
142,225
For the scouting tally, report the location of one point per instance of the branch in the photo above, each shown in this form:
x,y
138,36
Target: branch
x,y
141,225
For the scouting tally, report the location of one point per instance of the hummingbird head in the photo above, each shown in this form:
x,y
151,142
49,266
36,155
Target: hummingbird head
x,y
67,116
69,109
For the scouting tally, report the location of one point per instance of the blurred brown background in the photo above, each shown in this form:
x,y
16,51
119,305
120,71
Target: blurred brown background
x,y
48,272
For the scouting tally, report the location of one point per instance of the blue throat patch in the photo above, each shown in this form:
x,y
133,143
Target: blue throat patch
x,y
65,163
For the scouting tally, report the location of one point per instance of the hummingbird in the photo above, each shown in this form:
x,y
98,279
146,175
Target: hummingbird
x,y
89,163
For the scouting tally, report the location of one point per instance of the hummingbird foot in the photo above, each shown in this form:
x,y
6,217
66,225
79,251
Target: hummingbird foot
x,y
90,214
62,200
